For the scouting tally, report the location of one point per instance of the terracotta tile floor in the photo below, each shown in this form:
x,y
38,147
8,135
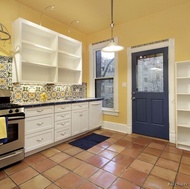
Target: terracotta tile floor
x,y
121,162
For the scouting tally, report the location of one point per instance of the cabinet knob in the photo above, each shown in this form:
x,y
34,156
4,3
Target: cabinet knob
x,y
40,110
63,124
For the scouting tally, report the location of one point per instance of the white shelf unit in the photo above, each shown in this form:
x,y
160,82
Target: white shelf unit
x,y
183,104
43,55
69,60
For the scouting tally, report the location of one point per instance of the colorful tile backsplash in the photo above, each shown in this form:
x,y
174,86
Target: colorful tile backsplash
x,y
22,92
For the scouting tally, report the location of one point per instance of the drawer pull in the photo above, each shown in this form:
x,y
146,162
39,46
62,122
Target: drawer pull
x,y
40,110
63,115
81,115
39,124
63,107
62,134
39,140
63,124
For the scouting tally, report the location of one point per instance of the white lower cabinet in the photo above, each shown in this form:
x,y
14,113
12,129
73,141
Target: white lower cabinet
x,y
39,139
62,121
39,127
95,114
79,117
45,125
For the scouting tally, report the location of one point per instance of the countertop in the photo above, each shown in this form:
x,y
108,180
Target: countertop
x,y
57,102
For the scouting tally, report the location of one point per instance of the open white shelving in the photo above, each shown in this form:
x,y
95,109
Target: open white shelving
x,y
183,104
43,55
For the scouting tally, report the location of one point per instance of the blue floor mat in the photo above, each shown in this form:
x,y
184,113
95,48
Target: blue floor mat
x,y
88,141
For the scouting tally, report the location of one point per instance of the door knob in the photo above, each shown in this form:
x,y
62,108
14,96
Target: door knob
x,y
133,98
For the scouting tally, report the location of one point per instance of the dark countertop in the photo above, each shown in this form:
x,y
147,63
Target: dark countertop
x,y
57,102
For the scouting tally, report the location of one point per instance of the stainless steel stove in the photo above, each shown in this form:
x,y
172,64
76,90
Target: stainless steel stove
x,y
12,147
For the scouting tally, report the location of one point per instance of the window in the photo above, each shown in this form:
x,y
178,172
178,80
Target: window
x,y
103,77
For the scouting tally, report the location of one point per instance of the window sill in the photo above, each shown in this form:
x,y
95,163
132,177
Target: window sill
x,y
110,112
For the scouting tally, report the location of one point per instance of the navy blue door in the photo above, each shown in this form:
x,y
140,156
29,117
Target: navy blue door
x,y
150,111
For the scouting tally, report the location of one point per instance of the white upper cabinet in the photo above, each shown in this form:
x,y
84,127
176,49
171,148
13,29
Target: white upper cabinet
x,y
42,55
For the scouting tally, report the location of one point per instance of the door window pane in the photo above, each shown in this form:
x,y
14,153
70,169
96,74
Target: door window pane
x,y
104,64
104,88
149,73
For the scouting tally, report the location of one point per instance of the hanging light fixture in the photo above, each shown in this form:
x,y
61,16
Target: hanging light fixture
x,y
52,7
112,46
4,34
69,29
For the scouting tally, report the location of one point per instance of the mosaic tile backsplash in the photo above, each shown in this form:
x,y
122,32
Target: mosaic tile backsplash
x,y
21,92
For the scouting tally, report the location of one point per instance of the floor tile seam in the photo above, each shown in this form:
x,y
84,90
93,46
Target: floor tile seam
x,y
85,179
26,180
134,182
35,162
151,169
177,171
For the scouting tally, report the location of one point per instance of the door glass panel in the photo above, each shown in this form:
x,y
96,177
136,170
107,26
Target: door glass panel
x,y
149,73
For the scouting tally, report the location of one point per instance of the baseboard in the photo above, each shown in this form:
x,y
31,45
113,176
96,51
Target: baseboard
x,y
117,127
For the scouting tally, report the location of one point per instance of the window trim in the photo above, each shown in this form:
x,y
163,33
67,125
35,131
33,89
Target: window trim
x,y
92,48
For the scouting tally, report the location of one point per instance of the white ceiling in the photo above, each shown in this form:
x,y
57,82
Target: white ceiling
x,y
94,15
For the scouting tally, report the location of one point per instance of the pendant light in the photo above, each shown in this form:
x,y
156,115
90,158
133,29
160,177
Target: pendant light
x,y
112,46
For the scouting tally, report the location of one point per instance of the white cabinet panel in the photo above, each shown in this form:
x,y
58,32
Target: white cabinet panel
x,y
39,123
36,111
95,114
79,118
40,139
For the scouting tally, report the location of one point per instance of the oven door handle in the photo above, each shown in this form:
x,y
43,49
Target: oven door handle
x,y
13,154
16,117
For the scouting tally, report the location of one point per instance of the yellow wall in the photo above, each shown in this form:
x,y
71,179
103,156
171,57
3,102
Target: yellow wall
x,y
171,23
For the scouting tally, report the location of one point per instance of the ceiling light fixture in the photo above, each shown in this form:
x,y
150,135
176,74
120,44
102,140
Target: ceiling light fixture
x,y
4,34
112,46
52,7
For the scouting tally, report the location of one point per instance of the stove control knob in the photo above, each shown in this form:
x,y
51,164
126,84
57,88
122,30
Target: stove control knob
x,y
17,110
10,111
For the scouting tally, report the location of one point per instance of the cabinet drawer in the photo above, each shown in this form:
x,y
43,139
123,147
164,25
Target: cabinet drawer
x,y
39,123
62,115
62,133
62,107
79,106
63,123
36,111
37,140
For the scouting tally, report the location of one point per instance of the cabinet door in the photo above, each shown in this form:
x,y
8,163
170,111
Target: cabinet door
x,y
75,122
83,120
95,114
79,121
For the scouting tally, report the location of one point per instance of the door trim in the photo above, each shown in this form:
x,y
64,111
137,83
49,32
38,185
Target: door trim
x,y
170,43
